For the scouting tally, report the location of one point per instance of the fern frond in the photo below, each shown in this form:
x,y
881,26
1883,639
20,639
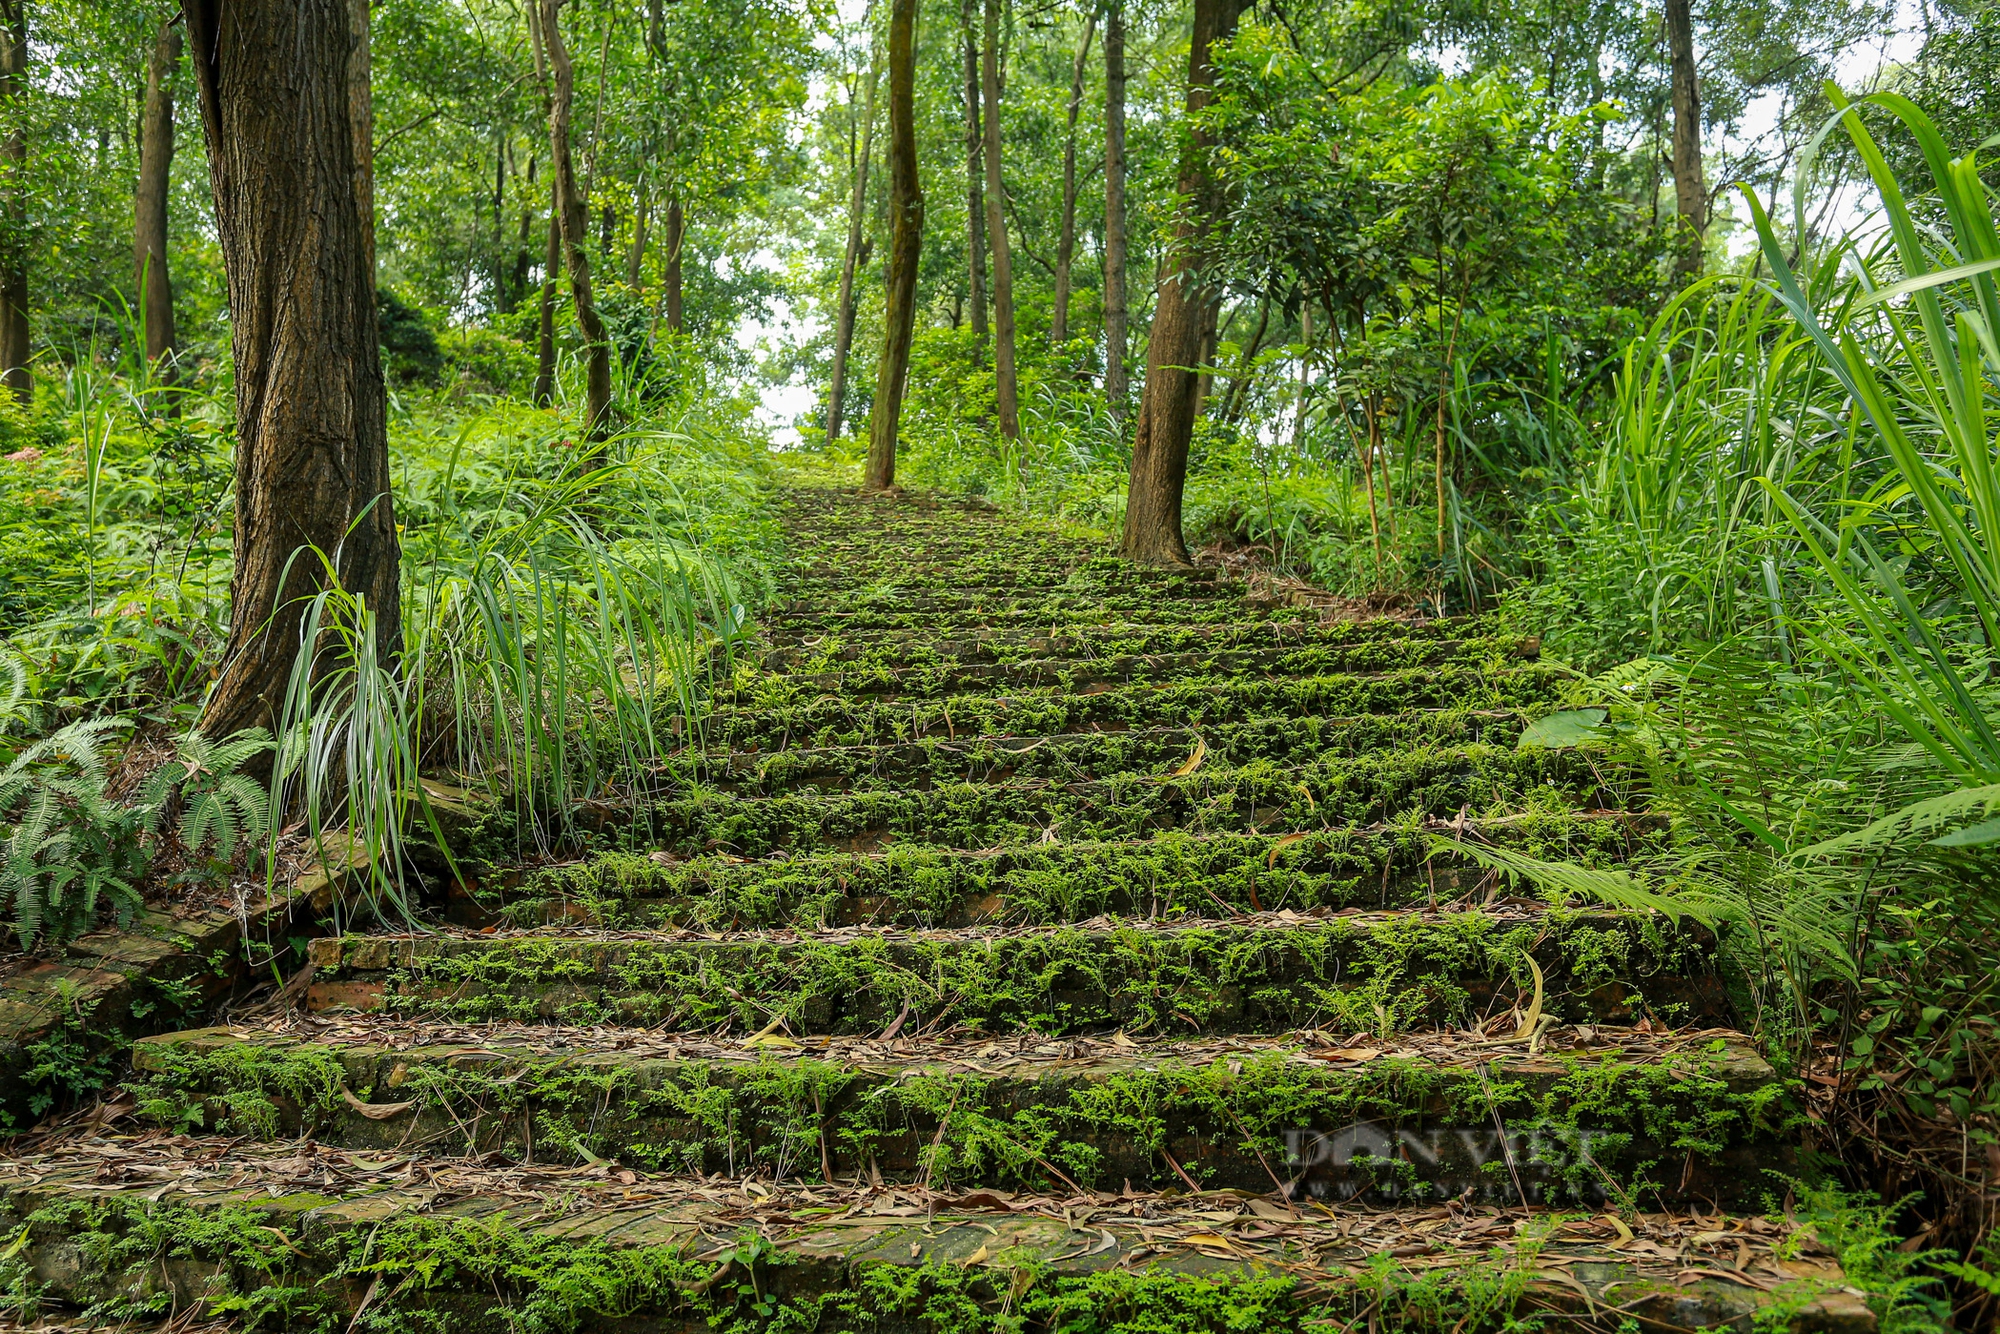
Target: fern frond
x,y
1919,817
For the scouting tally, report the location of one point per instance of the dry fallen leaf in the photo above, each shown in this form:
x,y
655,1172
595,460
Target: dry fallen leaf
x,y
375,1111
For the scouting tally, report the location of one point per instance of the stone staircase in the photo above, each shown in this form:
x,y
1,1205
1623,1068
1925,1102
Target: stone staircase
x,y
1029,942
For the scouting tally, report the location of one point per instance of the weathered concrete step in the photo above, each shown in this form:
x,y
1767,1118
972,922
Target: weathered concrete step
x,y
895,648
1260,973
1156,751
833,721
1580,1117
1438,781
921,680
305,1235
1173,876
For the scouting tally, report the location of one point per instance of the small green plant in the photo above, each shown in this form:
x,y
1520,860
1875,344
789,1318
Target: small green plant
x,y
203,793
68,848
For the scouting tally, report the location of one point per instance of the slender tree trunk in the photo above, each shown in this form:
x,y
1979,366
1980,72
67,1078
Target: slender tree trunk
x,y
1690,192
1239,387
673,294
14,336
1305,377
975,191
499,270
150,279
1066,234
1182,319
573,211
545,311
283,110
850,261
1006,385
635,261
1117,387
517,287
906,240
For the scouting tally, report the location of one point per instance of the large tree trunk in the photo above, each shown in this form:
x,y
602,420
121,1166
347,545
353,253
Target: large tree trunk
x,y
573,214
1066,235
850,261
149,233
906,242
287,133
1690,192
975,191
672,293
1117,388
13,248
1182,323
1006,387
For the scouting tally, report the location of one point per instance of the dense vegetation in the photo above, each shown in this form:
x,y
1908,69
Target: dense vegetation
x,y
1621,325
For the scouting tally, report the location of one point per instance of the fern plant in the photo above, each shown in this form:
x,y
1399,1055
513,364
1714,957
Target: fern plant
x,y
206,797
69,848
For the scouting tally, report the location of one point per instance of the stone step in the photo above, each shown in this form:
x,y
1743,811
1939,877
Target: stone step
x,y
817,577
1589,1117
1173,876
1155,751
1436,781
833,721
978,644
303,1236
927,680
1261,973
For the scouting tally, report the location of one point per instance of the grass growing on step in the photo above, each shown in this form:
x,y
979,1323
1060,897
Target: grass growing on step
x,y
1593,1126
1373,975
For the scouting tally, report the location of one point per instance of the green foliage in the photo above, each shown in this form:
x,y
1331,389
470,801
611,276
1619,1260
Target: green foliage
x,y
68,847
216,802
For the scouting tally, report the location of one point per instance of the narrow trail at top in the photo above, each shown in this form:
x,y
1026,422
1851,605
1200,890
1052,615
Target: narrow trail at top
x,y
1021,912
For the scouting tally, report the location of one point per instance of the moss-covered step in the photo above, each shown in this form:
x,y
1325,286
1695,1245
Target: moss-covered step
x,y
66,1017
298,1237
1053,611
1172,876
1262,973
833,721
1586,1118
893,648
922,680
1481,781
1158,751
835,576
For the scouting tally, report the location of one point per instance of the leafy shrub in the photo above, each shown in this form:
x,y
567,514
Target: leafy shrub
x,y
69,847
215,802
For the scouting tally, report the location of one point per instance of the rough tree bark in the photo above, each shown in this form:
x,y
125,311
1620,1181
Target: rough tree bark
x,y
1006,386
14,346
859,156
906,240
1690,191
1117,387
285,131
150,279
1182,321
1066,235
975,190
573,214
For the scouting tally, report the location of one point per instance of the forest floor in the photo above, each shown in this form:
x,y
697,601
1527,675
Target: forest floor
x,y
1027,936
